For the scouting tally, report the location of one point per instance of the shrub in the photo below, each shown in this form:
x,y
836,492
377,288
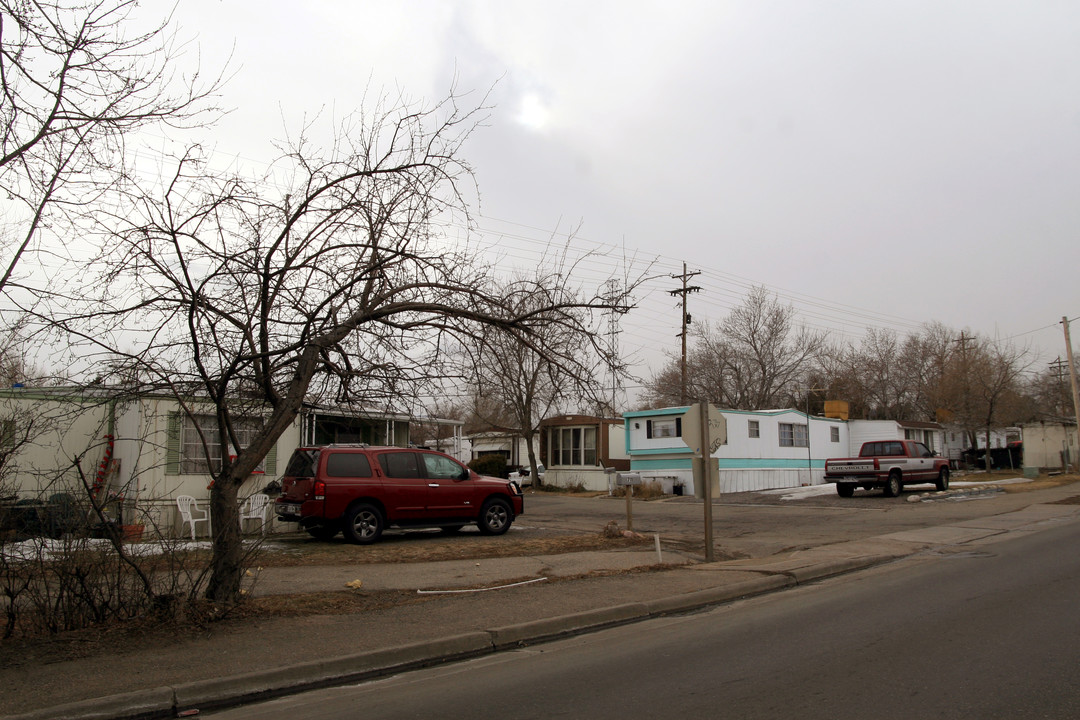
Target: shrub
x,y
645,491
570,487
493,465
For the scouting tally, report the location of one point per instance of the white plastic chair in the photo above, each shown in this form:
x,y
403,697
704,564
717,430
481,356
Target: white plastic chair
x,y
187,506
255,509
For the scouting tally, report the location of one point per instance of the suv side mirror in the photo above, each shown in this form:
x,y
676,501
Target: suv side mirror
x,y
465,474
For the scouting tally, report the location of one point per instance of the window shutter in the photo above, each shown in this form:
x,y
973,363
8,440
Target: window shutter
x,y
678,427
648,428
172,444
270,462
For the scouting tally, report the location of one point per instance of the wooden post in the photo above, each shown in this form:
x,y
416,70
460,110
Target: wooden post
x,y
706,441
1075,393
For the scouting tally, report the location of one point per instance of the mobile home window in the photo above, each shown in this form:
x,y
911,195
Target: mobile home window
x,y
792,435
197,458
834,433
574,446
663,428
753,428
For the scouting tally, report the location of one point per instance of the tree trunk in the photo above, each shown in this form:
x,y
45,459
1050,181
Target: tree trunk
x,y
225,566
988,464
535,475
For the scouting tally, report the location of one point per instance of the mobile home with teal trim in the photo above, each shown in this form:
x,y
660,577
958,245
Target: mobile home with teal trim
x,y
765,449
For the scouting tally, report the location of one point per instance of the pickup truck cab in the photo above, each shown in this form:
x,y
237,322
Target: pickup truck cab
x,y
888,464
360,491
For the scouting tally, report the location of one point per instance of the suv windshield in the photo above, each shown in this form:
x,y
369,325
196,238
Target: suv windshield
x,y
302,464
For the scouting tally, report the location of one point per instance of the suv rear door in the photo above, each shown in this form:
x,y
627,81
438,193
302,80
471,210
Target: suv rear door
x,y
348,474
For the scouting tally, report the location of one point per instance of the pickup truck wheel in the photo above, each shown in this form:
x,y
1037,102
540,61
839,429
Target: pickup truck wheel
x,y
893,486
495,517
845,489
363,524
942,483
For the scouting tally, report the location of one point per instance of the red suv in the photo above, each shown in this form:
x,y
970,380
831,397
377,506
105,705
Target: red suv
x,y
360,491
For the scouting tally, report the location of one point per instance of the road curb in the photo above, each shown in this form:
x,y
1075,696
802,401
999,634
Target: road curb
x,y
548,628
153,703
819,571
220,692
714,596
166,702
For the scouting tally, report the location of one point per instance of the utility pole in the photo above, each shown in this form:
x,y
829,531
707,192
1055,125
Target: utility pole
x,y
1058,366
683,292
965,402
1072,379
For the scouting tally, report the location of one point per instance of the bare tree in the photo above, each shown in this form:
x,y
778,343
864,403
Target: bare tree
x,y
75,83
884,382
525,377
663,387
758,357
431,430
996,370
1049,392
326,279
924,362
885,376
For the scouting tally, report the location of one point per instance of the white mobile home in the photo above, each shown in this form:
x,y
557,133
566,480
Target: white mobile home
x,y
930,434
577,449
142,452
765,449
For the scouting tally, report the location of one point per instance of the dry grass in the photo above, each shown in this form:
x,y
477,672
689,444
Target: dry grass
x,y
644,491
296,550
1042,483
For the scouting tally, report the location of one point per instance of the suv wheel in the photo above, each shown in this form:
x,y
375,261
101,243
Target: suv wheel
x,y
363,524
495,517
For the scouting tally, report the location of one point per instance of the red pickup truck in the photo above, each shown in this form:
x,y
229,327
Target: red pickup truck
x,y
890,465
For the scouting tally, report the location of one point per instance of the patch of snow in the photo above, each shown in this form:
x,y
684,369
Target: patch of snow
x,y
45,549
801,493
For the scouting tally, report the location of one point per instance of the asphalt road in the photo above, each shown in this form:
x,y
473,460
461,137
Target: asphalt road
x,y
988,631
755,524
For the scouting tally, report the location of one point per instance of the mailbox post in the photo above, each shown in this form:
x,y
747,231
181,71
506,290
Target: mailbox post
x,y
629,480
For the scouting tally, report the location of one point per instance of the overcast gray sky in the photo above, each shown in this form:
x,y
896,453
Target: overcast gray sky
x,y
873,163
